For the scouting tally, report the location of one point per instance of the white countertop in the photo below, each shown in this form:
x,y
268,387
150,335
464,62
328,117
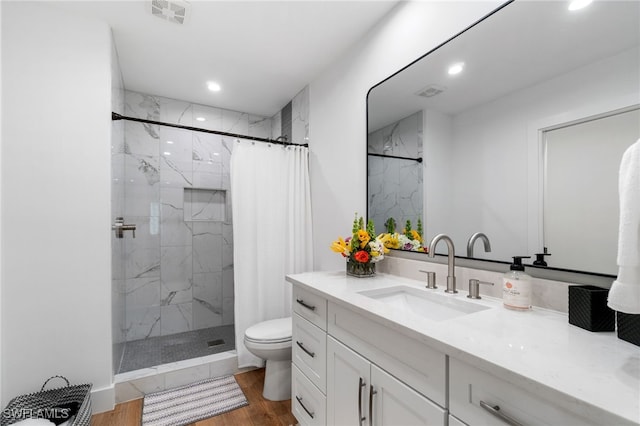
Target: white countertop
x,y
564,363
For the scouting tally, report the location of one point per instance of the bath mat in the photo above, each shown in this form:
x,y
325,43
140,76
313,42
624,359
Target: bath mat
x,y
190,403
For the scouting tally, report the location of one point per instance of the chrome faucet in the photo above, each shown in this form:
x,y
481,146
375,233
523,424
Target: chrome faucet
x,y
451,277
472,240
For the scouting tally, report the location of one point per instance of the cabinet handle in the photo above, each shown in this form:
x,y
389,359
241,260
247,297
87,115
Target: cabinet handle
x,y
305,408
300,301
361,385
371,393
311,354
495,411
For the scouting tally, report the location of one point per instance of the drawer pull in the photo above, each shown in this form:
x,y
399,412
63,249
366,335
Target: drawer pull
x,y
305,408
307,351
495,411
300,301
361,385
371,393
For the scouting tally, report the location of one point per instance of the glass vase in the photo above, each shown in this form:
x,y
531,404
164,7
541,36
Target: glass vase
x,y
360,270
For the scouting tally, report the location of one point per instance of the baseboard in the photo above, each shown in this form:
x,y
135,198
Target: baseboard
x,y
103,399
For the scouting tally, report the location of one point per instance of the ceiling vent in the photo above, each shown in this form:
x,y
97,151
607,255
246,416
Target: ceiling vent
x,y
176,11
431,91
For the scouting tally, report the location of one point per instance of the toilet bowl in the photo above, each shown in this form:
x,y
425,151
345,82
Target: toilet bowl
x,y
271,341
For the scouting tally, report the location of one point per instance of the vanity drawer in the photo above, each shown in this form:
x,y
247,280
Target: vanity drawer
x,y
308,404
309,346
310,306
469,387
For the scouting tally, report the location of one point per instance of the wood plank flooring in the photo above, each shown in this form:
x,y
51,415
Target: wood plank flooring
x,y
259,412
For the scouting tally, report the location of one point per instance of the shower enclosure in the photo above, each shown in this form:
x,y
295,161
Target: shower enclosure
x,y
172,231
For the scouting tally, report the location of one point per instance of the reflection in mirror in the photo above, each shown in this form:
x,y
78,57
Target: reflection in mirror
x,y
581,166
491,160
395,191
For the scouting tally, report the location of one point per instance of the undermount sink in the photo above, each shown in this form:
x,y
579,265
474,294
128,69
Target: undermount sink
x,y
426,304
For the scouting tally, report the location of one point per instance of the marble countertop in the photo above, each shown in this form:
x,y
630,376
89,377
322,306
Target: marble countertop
x,y
595,374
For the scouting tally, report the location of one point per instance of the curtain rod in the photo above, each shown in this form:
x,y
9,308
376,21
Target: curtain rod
x,y
115,116
419,159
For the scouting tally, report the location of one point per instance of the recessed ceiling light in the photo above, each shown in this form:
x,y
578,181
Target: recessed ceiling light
x,y
169,142
456,68
216,153
213,86
579,4
200,119
166,153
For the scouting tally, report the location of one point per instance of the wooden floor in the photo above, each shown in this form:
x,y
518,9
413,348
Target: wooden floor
x,y
259,412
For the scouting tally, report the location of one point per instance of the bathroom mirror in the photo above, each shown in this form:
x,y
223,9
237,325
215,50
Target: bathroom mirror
x,y
491,138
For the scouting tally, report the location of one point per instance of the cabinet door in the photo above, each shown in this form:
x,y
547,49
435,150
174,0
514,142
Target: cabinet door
x,y
347,385
454,421
396,404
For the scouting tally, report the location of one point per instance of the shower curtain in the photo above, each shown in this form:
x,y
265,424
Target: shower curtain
x,y
271,206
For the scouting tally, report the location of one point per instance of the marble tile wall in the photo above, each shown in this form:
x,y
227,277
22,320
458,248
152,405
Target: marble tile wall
x,y
178,273
395,186
300,117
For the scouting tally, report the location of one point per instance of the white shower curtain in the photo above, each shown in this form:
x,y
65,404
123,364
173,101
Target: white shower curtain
x,y
271,207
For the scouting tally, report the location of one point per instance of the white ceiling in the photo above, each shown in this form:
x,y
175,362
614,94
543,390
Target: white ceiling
x,y
261,52
523,44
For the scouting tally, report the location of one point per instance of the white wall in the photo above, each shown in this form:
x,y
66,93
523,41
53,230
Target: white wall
x,y
338,133
55,200
438,164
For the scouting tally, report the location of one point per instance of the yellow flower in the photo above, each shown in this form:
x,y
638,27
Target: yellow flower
x,y
340,246
364,238
384,239
415,235
393,242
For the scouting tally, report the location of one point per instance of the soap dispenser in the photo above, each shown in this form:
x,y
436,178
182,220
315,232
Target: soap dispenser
x,y
516,286
540,258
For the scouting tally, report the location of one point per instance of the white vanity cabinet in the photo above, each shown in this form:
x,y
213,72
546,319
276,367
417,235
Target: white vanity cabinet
x,y
479,398
453,372
359,393
342,375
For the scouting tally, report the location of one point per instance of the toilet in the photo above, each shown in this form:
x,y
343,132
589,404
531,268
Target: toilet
x,y
271,341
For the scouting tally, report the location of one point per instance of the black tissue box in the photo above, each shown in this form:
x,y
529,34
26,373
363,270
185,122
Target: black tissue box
x,y
588,308
629,327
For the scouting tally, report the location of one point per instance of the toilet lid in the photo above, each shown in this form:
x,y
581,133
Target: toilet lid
x,y
277,330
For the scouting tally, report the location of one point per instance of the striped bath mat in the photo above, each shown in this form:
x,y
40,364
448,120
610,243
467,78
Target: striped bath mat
x,y
190,403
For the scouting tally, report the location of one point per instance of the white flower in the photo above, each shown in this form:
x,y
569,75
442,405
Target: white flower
x,y
378,248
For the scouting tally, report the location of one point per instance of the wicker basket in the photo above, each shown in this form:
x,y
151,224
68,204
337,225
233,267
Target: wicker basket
x,y
46,404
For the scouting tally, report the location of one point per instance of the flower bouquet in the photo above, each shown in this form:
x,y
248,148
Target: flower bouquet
x,y
409,239
363,249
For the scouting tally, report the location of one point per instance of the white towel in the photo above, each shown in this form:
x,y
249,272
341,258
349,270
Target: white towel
x,y
624,295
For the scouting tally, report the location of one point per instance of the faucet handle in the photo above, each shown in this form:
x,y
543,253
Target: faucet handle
x,y
431,279
474,288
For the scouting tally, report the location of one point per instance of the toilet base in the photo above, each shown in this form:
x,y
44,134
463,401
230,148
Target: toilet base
x,y
277,380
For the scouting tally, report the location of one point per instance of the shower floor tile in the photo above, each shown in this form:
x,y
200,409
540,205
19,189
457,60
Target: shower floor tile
x,y
145,353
